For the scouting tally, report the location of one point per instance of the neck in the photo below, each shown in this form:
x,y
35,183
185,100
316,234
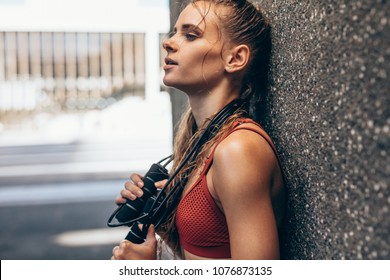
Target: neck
x,y
204,106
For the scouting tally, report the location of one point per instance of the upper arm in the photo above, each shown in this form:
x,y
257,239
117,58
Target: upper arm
x,y
243,170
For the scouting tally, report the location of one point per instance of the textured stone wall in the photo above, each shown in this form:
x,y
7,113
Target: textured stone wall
x,y
329,105
329,118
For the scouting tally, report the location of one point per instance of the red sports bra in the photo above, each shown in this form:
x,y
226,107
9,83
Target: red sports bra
x,y
201,225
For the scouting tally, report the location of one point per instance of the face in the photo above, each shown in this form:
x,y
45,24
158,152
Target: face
x,y
194,61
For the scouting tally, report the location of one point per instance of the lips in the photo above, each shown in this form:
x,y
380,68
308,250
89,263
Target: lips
x,y
169,62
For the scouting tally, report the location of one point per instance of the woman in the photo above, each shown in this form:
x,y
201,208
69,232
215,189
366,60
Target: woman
x,y
232,203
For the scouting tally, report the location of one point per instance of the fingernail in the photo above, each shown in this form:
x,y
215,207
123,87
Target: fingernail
x,y
139,193
140,184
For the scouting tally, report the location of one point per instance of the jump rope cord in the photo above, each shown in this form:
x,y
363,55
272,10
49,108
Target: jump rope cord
x,y
208,133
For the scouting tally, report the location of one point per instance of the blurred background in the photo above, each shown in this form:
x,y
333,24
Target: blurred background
x,y
82,107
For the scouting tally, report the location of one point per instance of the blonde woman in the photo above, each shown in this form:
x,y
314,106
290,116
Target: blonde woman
x,y
232,203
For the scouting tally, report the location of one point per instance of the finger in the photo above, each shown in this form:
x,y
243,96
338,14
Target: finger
x,y
133,189
151,236
124,243
160,184
128,194
114,250
120,200
137,179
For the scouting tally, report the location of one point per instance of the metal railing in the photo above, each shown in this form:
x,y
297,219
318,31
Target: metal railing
x,y
46,71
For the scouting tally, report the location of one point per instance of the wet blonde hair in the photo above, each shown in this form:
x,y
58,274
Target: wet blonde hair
x,y
243,24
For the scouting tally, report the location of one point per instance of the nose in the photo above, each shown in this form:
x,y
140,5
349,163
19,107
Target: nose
x,y
169,45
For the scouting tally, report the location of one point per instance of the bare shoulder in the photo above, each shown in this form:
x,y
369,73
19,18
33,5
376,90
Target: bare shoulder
x,y
245,145
243,155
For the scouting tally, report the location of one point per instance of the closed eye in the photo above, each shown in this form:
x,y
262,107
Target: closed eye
x,y
191,32
191,37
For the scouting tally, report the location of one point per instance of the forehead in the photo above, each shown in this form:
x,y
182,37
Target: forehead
x,y
201,14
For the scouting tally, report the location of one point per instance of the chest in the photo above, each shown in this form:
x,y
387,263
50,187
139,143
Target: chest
x,y
199,220
206,175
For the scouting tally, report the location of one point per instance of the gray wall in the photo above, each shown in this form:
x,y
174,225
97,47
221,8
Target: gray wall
x,y
329,118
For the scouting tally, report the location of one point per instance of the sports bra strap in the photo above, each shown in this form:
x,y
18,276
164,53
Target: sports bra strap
x,y
236,126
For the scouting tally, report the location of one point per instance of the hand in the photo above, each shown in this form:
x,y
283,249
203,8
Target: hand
x,y
130,251
133,189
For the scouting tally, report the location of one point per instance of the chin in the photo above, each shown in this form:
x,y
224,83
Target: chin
x,y
184,87
170,83
167,82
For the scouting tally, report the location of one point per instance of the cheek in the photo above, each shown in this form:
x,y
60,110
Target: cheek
x,y
192,65
213,63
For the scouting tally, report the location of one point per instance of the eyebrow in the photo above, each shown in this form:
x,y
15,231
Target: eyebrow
x,y
191,27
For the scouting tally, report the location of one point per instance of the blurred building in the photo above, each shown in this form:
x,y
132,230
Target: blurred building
x,y
69,70
74,55
84,75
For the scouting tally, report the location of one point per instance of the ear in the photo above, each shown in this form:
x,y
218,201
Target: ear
x,y
237,58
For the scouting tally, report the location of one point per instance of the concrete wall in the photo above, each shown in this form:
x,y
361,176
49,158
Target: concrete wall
x,y
329,106
329,118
